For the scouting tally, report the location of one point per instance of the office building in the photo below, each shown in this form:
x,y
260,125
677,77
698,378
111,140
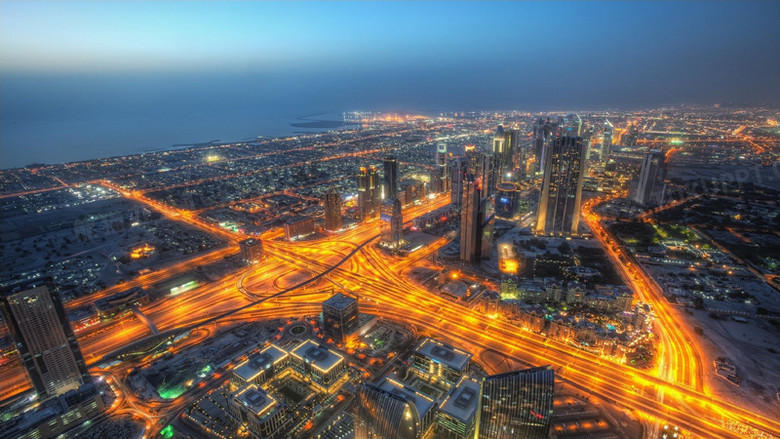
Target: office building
x,y
471,220
325,369
507,200
457,415
260,412
517,405
391,177
651,187
55,416
559,201
251,250
298,227
261,367
438,362
369,193
380,414
332,201
46,343
340,317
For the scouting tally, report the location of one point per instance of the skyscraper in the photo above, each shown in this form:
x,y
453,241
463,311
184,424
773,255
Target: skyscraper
x,y
485,167
651,188
460,168
391,177
471,219
570,125
380,414
559,201
442,166
606,142
507,200
518,153
543,133
332,210
393,215
44,338
499,141
504,144
441,154
517,405
436,184
369,195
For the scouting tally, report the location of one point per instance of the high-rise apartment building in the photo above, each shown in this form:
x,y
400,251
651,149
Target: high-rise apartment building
x,y
517,405
332,201
38,323
559,201
651,188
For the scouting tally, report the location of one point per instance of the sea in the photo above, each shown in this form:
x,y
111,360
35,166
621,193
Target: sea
x,y
73,117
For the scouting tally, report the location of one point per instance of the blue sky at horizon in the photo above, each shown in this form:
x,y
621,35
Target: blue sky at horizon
x,y
600,52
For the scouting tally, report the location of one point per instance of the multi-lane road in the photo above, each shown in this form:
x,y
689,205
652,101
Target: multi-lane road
x,y
379,281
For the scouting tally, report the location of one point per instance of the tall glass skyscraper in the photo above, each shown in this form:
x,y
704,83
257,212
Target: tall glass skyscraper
x,y
380,414
369,195
472,215
517,405
559,201
391,177
651,188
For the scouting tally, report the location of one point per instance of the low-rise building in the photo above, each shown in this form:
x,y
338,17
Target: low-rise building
x,y
439,362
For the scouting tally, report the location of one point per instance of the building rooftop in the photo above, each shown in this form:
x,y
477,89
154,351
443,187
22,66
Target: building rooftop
x,y
250,242
256,400
259,362
339,301
317,355
444,353
422,403
463,400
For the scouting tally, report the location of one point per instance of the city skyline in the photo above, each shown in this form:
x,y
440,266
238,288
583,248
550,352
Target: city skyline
x,y
389,220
